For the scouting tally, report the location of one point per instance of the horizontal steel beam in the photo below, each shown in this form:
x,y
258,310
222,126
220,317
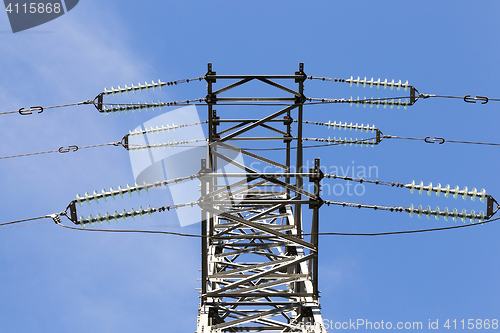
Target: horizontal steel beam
x,y
212,76
222,304
234,285
265,138
247,319
244,152
245,202
269,294
259,174
270,276
257,123
249,120
254,99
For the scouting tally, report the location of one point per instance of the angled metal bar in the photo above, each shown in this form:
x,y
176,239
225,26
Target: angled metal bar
x,y
261,246
243,303
269,294
279,86
257,123
267,211
243,123
267,321
234,85
248,319
235,185
255,235
261,227
258,329
273,129
257,157
262,286
258,275
267,277
291,187
254,267
256,175
248,244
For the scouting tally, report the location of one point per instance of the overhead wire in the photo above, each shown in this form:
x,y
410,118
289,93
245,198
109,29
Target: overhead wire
x,y
134,231
75,148
399,232
305,234
317,101
439,140
41,109
63,150
25,220
308,146
139,146
24,225
466,98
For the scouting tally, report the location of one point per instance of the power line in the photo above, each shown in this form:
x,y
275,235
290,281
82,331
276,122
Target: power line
x,y
439,140
40,109
310,146
24,225
63,150
134,231
124,142
364,82
125,107
98,99
466,98
25,220
305,234
333,142
400,232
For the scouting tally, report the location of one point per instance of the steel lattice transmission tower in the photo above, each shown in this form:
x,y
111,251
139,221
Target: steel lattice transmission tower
x,y
259,273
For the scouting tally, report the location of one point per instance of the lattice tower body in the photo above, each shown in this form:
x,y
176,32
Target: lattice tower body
x,y
259,273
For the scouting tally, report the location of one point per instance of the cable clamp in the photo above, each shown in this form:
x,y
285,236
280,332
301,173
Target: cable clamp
x,y
67,150
469,99
24,112
436,139
55,217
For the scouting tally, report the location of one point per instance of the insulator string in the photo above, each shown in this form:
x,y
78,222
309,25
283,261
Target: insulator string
x,y
306,234
364,82
146,86
128,190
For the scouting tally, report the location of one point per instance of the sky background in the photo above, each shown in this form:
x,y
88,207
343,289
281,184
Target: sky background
x,y
58,280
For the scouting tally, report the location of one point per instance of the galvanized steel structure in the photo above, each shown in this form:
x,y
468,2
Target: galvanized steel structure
x,y
259,273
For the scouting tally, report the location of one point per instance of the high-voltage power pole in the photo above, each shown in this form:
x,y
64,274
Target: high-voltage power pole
x,y
259,274
259,269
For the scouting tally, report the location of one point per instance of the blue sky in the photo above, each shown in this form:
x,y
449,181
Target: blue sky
x,y
58,280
